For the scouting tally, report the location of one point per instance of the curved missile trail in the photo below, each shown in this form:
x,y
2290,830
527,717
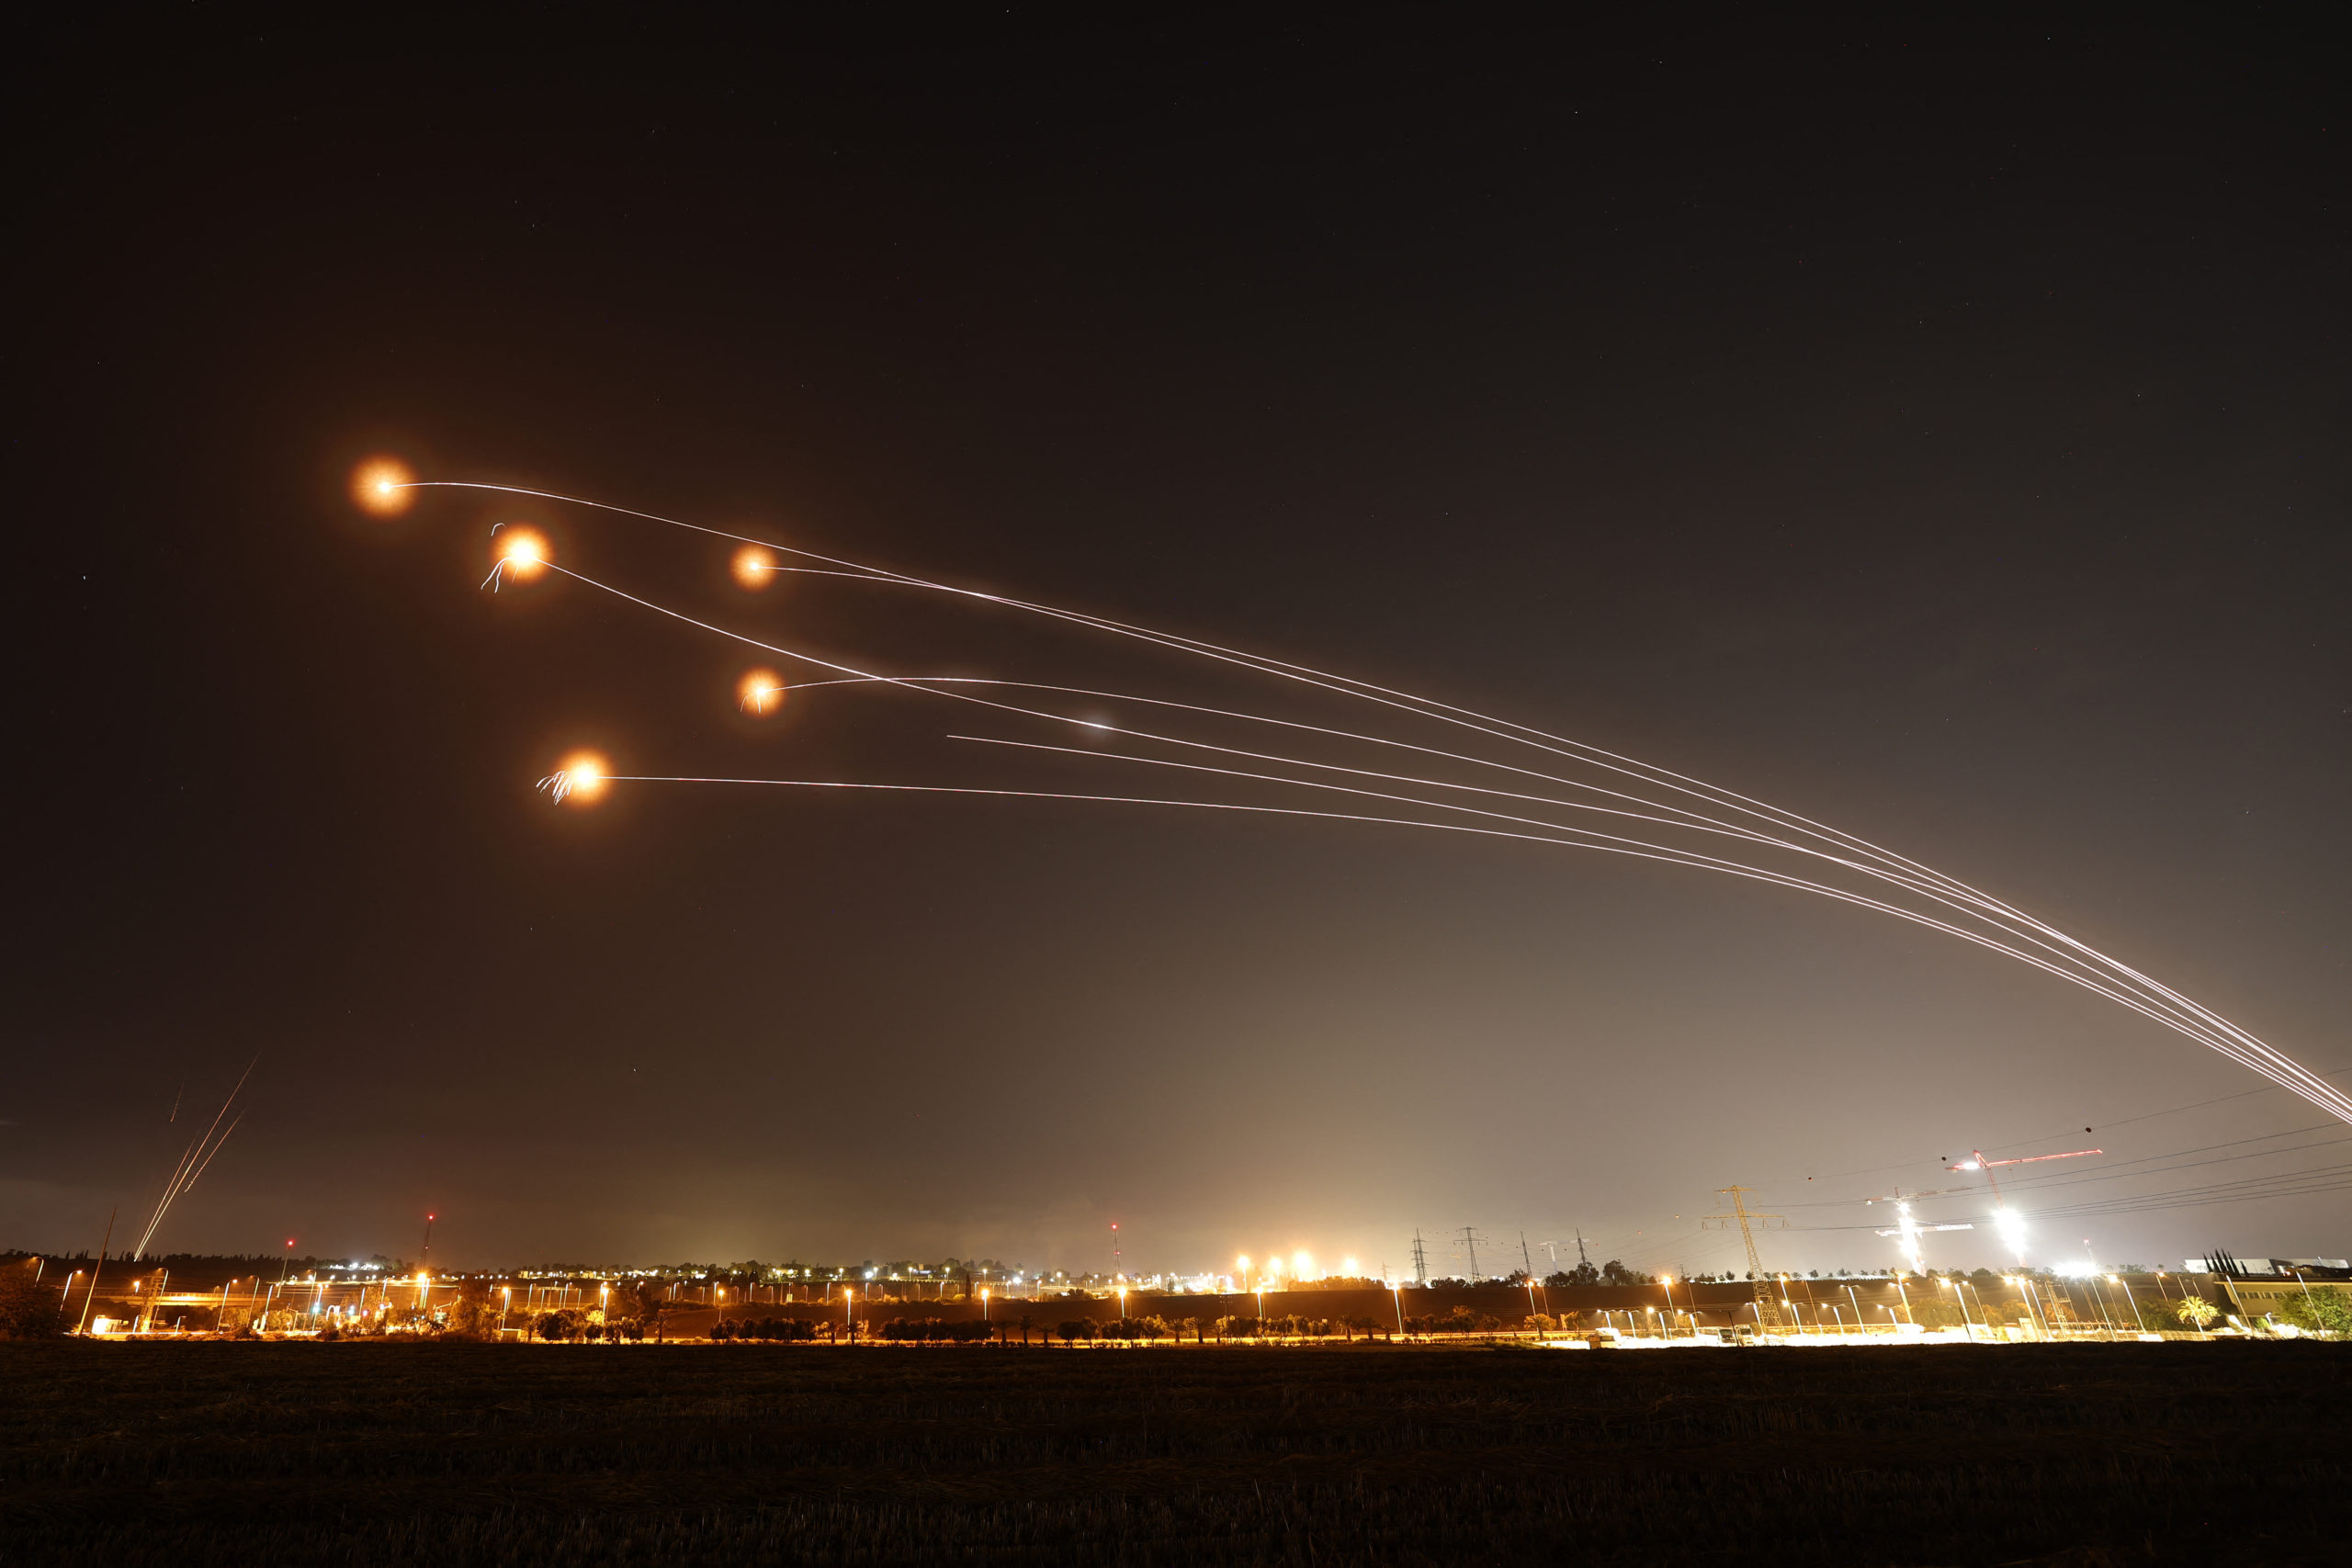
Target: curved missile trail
x,y
1697,822
1644,848
1425,707
2154,1008
554,785
2296,1077
2178,1011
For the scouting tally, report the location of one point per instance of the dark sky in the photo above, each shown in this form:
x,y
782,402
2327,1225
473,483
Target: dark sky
x,y
1939,433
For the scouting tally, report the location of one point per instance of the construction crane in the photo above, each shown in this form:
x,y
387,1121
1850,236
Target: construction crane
x,y
1766,1309
1908,1228
2006,1220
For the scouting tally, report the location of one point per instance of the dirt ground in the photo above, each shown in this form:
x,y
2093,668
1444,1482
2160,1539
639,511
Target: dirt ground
x,y
220,1452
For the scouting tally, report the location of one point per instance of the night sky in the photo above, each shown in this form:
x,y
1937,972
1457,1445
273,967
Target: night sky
x,y
1941,435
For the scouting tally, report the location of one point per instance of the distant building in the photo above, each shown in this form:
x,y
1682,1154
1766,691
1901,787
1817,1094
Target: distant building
x,y
2229,1264
2255,1300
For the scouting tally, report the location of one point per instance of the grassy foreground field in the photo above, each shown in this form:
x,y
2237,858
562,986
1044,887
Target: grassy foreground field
x,y
194,1454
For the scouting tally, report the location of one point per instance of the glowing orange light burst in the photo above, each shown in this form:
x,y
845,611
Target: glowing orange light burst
x,y
380,487
586,776
760,692
753,567
522,554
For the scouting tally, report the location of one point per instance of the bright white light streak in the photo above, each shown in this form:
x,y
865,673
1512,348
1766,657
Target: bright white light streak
x,y
1666,856
1679,857
560,785
2165,1002
193,1162
2273,1064
2011,1225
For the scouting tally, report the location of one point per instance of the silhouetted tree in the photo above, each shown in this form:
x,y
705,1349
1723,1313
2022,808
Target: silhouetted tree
x,y
29,1308
2320,1311
473,1316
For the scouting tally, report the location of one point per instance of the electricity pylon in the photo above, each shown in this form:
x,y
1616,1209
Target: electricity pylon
x,y
1470,1240
1768,1310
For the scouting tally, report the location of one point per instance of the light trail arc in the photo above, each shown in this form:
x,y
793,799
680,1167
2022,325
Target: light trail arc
x,y
2288,1072
2189,1028
554,785
2249,1050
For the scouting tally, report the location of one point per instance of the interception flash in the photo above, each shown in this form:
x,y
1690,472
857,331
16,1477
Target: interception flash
x,y
383,487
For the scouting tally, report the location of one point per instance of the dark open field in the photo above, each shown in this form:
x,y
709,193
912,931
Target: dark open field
x,y
200,1453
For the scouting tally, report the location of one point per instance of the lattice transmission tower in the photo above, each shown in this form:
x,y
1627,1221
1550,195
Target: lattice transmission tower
x,y
1768,1309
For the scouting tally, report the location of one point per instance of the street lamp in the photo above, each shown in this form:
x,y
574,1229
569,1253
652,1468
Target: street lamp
x,y
1961,1298
2116,1280
1668,1281
1396,1300
2098,1298
505,1300
2024,1289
